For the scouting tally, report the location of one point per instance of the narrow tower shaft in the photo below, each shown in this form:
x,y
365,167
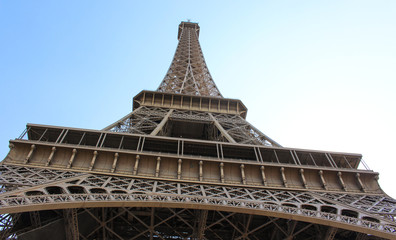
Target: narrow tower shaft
x,y
188,73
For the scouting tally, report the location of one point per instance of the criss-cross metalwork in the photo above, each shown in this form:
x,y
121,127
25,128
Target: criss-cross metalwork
x,y
188,73
97,191
184,164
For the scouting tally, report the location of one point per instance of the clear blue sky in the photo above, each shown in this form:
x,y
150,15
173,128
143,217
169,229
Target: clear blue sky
x,y
314,74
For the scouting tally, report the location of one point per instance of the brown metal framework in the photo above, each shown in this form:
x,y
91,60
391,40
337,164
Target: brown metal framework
x,y
185,164
188,73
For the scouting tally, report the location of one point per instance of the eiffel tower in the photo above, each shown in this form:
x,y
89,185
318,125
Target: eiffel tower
x,y
185,164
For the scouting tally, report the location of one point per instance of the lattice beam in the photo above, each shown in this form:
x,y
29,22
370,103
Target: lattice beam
x,y
101,190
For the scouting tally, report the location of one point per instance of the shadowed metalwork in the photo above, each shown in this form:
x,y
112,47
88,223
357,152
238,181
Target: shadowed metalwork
x,y
185,164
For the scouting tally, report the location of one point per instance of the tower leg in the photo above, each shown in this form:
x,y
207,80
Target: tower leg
x,y
330,234
201,225
71,224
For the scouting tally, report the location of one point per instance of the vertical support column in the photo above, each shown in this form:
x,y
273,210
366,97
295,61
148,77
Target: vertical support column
x,y
71,224
116,155
103,223
179,168
282,170
30,154
339,174
243,174
51,156
262,168
360,182
152,224
72,158
135,168
322,179
95,154
157,169
222,172
303,178
203,215
200,170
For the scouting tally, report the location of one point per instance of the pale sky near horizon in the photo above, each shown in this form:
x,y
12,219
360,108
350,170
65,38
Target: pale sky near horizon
x,y
313,74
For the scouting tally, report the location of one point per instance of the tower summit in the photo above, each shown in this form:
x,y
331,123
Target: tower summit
x,y
188,73
185,164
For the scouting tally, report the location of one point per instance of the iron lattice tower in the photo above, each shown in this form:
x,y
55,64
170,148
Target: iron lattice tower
x,y
185,164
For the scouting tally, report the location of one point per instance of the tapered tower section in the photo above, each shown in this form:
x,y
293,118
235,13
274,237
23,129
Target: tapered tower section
x,y
188,73
185,164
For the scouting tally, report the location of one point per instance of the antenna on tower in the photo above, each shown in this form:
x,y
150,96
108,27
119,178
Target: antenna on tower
x,y
188,20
